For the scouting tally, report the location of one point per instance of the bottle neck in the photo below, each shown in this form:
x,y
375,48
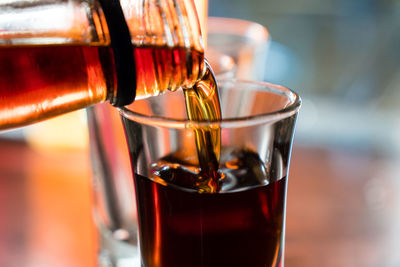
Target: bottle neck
x,y
148,38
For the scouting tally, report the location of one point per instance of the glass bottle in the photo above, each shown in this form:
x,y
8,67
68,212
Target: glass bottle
x,y
62,55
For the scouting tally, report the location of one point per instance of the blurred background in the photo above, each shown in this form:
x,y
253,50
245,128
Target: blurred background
x,y
342,57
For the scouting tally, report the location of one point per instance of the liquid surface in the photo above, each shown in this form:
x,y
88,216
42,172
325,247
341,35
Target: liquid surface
x,y
240,226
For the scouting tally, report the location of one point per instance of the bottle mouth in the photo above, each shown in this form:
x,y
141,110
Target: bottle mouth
x,y
265,103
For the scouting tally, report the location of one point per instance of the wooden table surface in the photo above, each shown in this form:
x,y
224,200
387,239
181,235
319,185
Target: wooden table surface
x,y
343,208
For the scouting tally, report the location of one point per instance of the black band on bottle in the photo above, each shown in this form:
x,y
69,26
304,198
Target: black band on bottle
x,y
121,44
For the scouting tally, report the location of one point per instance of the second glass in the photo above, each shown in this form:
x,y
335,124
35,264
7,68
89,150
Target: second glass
x,y
242,224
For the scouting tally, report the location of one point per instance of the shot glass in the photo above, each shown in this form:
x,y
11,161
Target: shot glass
x,y
243,224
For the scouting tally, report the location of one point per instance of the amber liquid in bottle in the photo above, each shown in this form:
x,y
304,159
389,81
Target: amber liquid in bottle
x,y
42,81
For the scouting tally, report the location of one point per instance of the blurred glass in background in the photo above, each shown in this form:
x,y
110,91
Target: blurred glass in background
x,y
342,57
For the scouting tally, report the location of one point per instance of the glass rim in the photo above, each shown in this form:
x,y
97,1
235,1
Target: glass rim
x,y
267,117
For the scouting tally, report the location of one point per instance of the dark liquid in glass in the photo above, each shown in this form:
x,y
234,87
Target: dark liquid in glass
x,y
242,225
